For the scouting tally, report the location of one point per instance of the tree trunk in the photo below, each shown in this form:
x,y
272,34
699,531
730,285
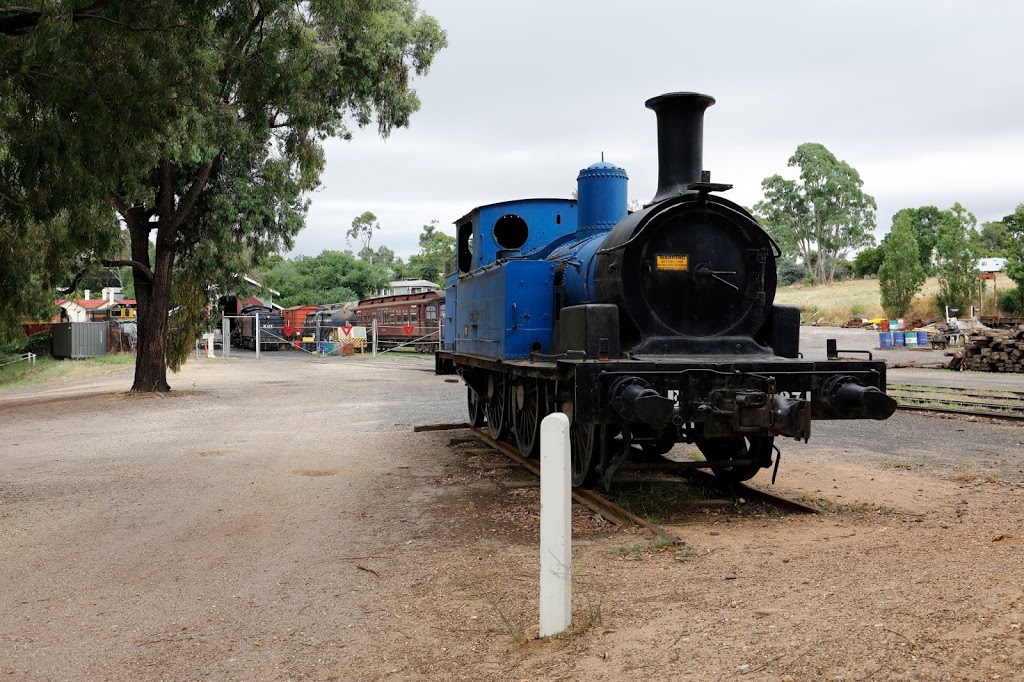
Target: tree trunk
x,y
153,296
153,304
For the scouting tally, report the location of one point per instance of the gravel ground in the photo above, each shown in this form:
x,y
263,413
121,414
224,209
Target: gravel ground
x,y
279,520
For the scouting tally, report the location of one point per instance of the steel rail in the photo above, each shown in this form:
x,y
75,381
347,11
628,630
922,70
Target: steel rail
x,y
605,507
936,401
613,512
751,492
974,392
964,413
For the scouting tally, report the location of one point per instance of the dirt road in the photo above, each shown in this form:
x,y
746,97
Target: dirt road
x,y
279,520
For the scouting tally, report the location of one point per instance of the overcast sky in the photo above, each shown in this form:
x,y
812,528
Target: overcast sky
x,y
924,99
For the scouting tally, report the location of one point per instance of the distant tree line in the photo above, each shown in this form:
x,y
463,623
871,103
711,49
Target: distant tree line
x,y
340,276
824,215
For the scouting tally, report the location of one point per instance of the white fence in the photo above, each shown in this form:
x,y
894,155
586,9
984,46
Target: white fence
x,y
24,357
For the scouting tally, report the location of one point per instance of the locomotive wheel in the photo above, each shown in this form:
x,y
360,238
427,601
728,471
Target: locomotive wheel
x,y
497,407
583,448
528,400
475,406
758,448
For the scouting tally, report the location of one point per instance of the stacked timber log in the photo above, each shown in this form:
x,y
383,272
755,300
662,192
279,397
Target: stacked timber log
x,y
995,350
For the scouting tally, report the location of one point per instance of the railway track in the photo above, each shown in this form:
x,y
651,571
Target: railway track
x,y
992,404
619,515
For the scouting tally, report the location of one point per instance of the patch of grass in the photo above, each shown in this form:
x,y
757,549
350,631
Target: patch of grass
x,y
686,553
661,544
966,472
22,374
814,501
863,507
512,625
588,616
635,550
520,626
655,502
898,464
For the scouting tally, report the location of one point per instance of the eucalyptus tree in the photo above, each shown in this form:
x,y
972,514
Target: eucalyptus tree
x,y
957,259
822,215
363,227
199,123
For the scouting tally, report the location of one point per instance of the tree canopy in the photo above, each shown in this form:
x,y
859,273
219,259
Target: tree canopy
x,y
331,277
957,260
200,123
437,249
868,261
993,240
1015,249
820,216
363,227
901,274
924,223
340,276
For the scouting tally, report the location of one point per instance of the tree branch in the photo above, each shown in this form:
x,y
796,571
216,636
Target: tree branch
x,y
142,29
19,20
114,263
192,195
120,262
119,205
165,190
74,283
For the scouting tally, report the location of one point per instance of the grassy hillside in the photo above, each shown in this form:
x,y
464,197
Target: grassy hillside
x,y
836,303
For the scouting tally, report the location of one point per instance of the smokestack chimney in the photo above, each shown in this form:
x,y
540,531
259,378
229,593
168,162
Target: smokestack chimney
x,y
87,292
680,140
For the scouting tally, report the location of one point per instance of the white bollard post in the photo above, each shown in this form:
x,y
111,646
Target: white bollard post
x,y
225,336
256,333
555,526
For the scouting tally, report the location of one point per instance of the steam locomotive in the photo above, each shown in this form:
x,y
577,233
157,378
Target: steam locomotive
x,y
647,329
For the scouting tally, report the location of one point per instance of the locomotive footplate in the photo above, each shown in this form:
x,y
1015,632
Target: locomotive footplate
x,y
730,396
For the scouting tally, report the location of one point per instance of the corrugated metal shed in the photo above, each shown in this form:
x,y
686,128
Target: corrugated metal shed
x,y
79,339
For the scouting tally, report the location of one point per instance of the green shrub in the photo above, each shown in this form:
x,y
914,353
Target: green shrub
x,y
1011,302
868,261
791,273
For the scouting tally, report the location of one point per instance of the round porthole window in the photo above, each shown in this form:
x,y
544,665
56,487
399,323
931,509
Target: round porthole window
x,y
510,231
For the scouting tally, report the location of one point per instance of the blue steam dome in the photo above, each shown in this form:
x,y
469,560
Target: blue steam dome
x,y
601,189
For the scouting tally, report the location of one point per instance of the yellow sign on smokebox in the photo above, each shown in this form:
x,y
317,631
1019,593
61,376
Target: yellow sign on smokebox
x,y
673,262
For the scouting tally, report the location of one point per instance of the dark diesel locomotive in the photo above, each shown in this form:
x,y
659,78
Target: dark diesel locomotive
x,y
647,329
271,323
323,323
413,319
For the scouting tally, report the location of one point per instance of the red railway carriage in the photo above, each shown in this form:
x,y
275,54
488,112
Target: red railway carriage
x,y
404,318
295,320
